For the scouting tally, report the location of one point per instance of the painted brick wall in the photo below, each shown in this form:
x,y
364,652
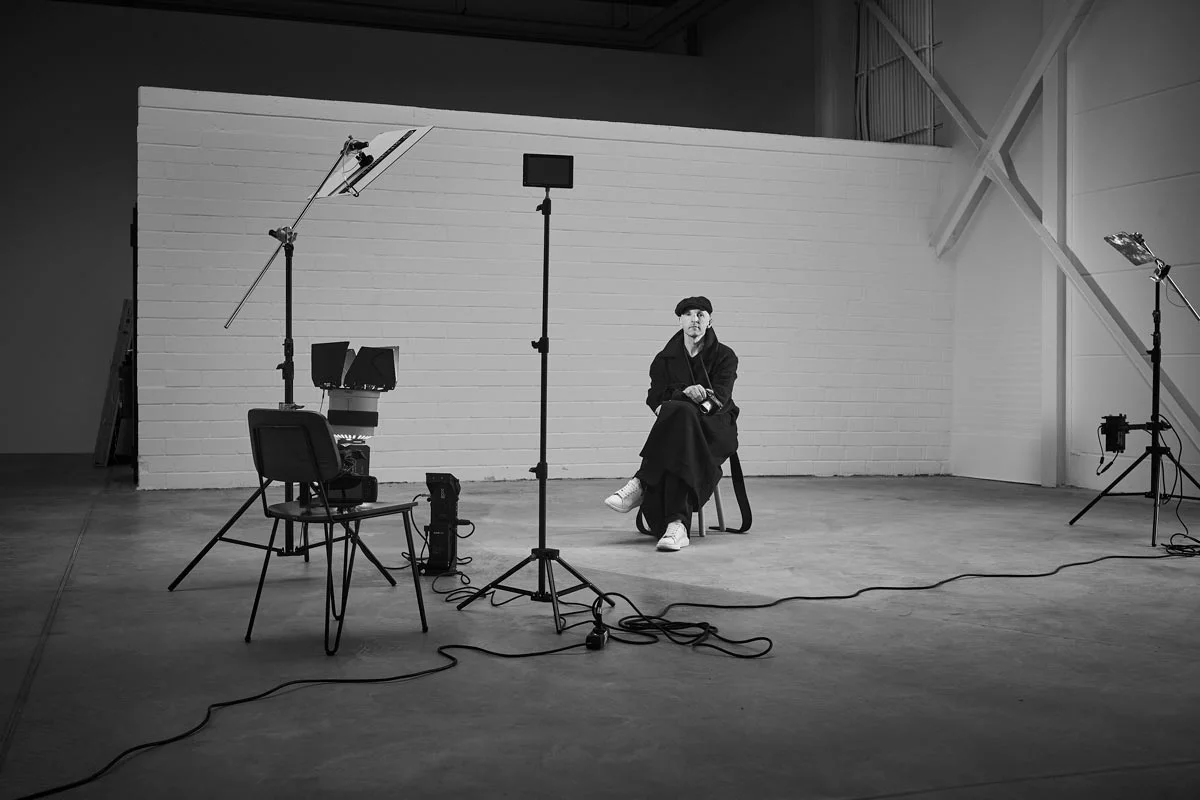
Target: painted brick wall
x,y
814,253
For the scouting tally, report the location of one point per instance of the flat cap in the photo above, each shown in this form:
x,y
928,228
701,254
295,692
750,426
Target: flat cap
x,y
688,303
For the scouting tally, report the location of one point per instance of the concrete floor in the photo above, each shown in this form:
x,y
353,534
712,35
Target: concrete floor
x,y
1081,685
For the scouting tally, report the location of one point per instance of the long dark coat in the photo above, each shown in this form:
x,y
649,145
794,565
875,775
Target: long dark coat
x,y
683,441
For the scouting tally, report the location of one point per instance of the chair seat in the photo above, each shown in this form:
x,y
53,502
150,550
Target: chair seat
x,y
307,512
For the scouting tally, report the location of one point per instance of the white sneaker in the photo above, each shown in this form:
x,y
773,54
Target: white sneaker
x,y
627,498
676,537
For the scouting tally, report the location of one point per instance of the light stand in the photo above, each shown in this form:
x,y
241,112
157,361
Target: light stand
x,y
287,243
1133,247
545,171
361,163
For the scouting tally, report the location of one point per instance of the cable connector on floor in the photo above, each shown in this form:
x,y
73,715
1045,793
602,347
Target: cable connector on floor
x,y
598,637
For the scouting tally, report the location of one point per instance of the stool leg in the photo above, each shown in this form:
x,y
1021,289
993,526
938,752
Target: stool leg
x,y
720,510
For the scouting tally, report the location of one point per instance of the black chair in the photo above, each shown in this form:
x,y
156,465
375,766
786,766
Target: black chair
x,y
293,446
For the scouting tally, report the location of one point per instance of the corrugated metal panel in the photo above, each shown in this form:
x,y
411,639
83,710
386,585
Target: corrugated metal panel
x,y
893,103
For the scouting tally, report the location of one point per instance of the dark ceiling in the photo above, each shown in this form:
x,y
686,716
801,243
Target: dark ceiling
x,y
624,24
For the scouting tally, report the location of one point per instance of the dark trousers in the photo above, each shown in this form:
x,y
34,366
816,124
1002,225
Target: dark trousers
x,y
667,497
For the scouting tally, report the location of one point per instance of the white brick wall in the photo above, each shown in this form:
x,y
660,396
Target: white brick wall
x,y
813,252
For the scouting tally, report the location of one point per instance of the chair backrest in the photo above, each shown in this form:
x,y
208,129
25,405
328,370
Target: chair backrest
x,y
293,446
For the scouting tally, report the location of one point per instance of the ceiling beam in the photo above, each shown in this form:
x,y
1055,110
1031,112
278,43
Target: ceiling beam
x,y
672,17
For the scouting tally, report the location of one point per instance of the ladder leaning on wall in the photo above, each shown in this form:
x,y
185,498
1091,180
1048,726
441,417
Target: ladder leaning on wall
x,y
114,397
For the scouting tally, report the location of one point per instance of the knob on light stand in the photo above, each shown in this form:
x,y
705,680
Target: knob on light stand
x,y
1133,247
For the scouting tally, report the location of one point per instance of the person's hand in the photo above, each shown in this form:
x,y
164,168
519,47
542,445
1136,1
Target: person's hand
x,y
696,393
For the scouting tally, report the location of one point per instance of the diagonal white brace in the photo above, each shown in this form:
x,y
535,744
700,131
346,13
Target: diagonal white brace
x,y
959,214
1108,314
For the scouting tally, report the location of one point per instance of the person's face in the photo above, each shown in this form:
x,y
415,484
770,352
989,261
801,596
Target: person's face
x,y
694,323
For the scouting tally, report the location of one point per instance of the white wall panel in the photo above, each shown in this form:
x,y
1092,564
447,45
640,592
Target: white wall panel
x,y
996,424
1133,49
1137,140
813,252
1135,102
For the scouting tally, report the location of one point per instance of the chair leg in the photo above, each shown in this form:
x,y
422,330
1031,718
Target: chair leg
x,y
407,514
349,549
700,521
261,578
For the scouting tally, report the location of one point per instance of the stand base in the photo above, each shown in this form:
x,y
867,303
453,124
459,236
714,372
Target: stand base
x,y
545,557
1157,453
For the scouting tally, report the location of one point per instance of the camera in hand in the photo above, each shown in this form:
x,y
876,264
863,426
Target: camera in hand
x,y
710,404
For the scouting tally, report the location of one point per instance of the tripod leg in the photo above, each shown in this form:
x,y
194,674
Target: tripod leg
x,y
1183,469
1183,492
412,566
494,583
1154,516
224,529
586,582
547,564
1109,488
378,565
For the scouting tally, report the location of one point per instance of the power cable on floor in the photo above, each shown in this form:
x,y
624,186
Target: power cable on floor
x,y
302,682
922,587
650,627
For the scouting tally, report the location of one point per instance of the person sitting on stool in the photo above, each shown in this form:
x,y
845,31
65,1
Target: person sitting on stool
x,y
691,392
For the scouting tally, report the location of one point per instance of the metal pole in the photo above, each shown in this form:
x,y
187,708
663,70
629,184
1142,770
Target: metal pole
x,y
1155,398
544,347
289,370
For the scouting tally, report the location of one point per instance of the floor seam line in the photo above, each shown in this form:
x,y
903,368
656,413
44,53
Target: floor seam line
x,y
35,659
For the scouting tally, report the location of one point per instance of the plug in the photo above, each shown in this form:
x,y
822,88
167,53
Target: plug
x,y
597,638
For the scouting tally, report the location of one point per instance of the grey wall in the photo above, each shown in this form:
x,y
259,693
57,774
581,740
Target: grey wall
x,y
72,74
